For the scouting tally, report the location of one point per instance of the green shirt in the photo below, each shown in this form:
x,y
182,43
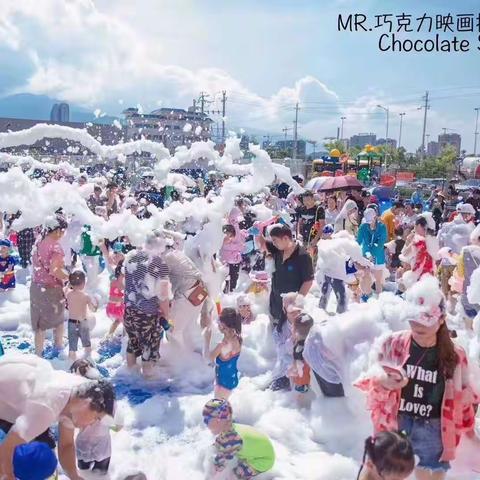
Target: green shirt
x,y
257,449
88,248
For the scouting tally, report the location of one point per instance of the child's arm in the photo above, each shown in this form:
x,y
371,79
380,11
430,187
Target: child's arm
x,y
92,303
216,351
227,446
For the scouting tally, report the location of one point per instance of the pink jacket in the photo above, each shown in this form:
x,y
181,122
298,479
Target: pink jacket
x,y
458,415
231,251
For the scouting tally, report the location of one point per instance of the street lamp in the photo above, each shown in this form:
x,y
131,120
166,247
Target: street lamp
x,y
386,134
341,134
400,133
476,133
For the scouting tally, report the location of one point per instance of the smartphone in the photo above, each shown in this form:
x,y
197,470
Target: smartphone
x,y
396,373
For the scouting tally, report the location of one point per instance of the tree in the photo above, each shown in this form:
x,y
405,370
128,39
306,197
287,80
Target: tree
x,y
338,144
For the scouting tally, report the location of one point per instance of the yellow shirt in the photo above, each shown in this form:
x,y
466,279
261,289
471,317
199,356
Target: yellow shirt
x,y
388,219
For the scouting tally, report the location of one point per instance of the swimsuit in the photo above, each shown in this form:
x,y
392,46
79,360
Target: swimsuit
x,y
226,372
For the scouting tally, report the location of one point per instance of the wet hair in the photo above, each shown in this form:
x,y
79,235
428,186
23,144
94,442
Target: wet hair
x,y
232,319
97,188
59,224
84,367
101,395
303,325
229,229
76,278
281,231
422,221
398,204
390,452
399,231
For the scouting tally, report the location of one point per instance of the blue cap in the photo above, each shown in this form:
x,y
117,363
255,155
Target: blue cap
x,y
328,229
5,242
34,461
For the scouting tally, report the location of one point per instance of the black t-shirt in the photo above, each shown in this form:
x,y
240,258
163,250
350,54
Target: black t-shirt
x,y
309,216
288,276
422,397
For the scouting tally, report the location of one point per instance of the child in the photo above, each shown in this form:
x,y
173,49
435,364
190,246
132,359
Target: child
x,y
225,355
116,305
231,253
244,306
7,265
388,456
251,451
78,303
394,248
93,444
260,282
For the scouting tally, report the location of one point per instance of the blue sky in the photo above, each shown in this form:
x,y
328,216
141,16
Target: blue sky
x,y
266,54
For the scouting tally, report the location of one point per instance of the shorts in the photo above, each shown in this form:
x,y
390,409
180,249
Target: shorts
x,y
116,311
47,307
426,438
144,332
378,266
244,471
78,330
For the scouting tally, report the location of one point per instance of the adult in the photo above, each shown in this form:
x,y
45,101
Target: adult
x,y
409,216
361,198
26,241
372,236
189,294
293,272
331,212
47,303
456,234
417,196
347,219
36,397
425,390
147,301
474,200
391,219
90,254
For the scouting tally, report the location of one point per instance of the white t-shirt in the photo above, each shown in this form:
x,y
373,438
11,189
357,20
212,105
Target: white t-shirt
x,y
33,394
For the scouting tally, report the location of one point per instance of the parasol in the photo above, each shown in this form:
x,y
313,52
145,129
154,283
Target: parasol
x,y
345,182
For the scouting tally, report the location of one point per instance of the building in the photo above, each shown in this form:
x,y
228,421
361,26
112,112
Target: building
x,y
60,113
362,139
288,145
171,126
390,142
433,149
57,147
453,139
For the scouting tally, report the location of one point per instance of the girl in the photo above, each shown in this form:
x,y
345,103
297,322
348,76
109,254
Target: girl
x,y
116,305
7,266
225,355
331,212
421,250
372,236
424,387
387,456
347,219
231,253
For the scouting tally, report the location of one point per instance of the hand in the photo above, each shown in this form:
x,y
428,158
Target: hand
x,y
393,383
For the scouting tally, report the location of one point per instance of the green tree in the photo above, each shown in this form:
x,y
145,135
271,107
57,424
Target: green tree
x,y
338,144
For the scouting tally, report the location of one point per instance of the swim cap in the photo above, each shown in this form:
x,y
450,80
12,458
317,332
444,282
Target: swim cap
x,y
217,408
34,461
328,229
118,247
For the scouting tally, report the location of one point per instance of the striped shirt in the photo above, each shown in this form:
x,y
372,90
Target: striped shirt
x,y
141,272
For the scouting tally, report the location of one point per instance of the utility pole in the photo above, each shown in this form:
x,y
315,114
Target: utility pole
x,y
426,106
400,133
295,132
341,133
476,133
224,102
203,100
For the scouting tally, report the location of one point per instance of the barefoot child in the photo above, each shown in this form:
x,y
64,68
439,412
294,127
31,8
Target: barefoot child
x,y
244,306
116,305
225,355
93,443
78,304
250,451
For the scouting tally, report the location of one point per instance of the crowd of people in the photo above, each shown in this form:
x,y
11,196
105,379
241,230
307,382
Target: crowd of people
x,y
174,286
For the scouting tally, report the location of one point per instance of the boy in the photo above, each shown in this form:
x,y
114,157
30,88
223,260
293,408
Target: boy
x,y
78,302
7,265
251,450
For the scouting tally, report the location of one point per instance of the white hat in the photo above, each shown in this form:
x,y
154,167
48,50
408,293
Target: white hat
x,y
430,221
465,208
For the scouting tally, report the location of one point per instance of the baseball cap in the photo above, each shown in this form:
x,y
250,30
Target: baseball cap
x,y
217,408
34,461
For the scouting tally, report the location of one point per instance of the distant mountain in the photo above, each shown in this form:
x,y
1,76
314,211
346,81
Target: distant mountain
x,y
38,107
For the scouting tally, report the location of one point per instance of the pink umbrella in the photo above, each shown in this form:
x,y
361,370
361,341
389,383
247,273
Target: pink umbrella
x,y
345,182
